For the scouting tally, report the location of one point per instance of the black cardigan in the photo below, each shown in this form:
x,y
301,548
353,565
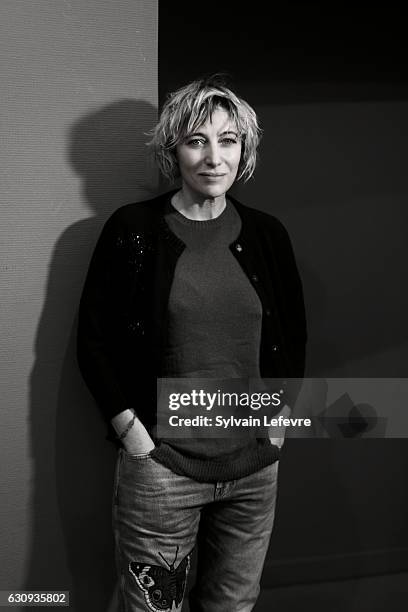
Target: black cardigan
x,y
123,308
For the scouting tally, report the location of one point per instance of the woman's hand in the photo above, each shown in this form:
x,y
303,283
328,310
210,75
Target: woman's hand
x,y
137,441
277,434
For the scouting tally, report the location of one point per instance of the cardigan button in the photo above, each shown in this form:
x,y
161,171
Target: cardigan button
x,y
268,312
238,247
254,278
275,348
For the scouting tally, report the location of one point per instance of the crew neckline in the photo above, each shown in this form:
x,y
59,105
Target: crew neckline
x,y
202,223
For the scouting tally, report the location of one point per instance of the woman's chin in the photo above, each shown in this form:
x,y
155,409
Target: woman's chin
x,y
211,191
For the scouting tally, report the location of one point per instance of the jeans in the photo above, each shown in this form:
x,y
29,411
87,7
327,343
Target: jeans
x,y
159,516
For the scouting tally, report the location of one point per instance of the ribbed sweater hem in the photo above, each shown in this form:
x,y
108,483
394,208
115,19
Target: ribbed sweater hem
x,y
229,467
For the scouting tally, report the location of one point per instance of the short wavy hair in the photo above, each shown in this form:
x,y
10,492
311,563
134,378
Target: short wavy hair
x,y
187,108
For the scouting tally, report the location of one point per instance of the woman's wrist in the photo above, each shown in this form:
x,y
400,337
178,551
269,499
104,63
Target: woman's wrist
x,y
137,439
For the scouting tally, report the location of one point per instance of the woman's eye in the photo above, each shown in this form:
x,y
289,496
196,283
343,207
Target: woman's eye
x,y
200,142
196,142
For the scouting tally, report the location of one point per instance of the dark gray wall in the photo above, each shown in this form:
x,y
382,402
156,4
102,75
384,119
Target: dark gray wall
x,y
334,173
331,91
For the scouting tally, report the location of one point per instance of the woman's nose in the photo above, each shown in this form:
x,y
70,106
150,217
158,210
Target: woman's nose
x,y
213,157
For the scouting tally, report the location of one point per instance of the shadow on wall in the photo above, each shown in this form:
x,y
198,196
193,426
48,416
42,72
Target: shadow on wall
x,y
73,464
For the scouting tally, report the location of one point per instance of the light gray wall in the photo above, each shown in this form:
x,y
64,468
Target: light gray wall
x,y
79,88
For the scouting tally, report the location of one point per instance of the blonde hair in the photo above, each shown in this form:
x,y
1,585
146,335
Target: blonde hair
x,y
192,105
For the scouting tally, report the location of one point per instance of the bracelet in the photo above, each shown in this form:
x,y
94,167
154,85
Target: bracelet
x,y
128,427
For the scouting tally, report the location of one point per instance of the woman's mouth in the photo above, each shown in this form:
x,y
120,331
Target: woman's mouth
x,y
211,175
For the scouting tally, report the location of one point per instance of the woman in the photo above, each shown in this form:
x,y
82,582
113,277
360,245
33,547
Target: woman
x,y
192,284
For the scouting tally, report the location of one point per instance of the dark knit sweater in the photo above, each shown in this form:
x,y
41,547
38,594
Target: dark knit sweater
x,y
214,313
213,331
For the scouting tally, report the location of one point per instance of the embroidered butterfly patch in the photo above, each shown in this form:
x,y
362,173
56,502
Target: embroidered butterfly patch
x,y
163,588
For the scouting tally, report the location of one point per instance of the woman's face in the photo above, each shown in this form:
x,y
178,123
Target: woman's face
x,y
209,157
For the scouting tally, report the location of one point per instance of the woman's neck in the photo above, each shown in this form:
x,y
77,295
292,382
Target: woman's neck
x,y
198,208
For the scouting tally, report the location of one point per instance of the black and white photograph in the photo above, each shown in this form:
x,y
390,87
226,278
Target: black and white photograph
x,y
204,338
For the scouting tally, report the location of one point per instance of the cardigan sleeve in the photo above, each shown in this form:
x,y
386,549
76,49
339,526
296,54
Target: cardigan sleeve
x,y
292,309
95,321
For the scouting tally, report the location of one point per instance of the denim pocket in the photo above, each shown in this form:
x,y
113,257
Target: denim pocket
x,y
137,456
